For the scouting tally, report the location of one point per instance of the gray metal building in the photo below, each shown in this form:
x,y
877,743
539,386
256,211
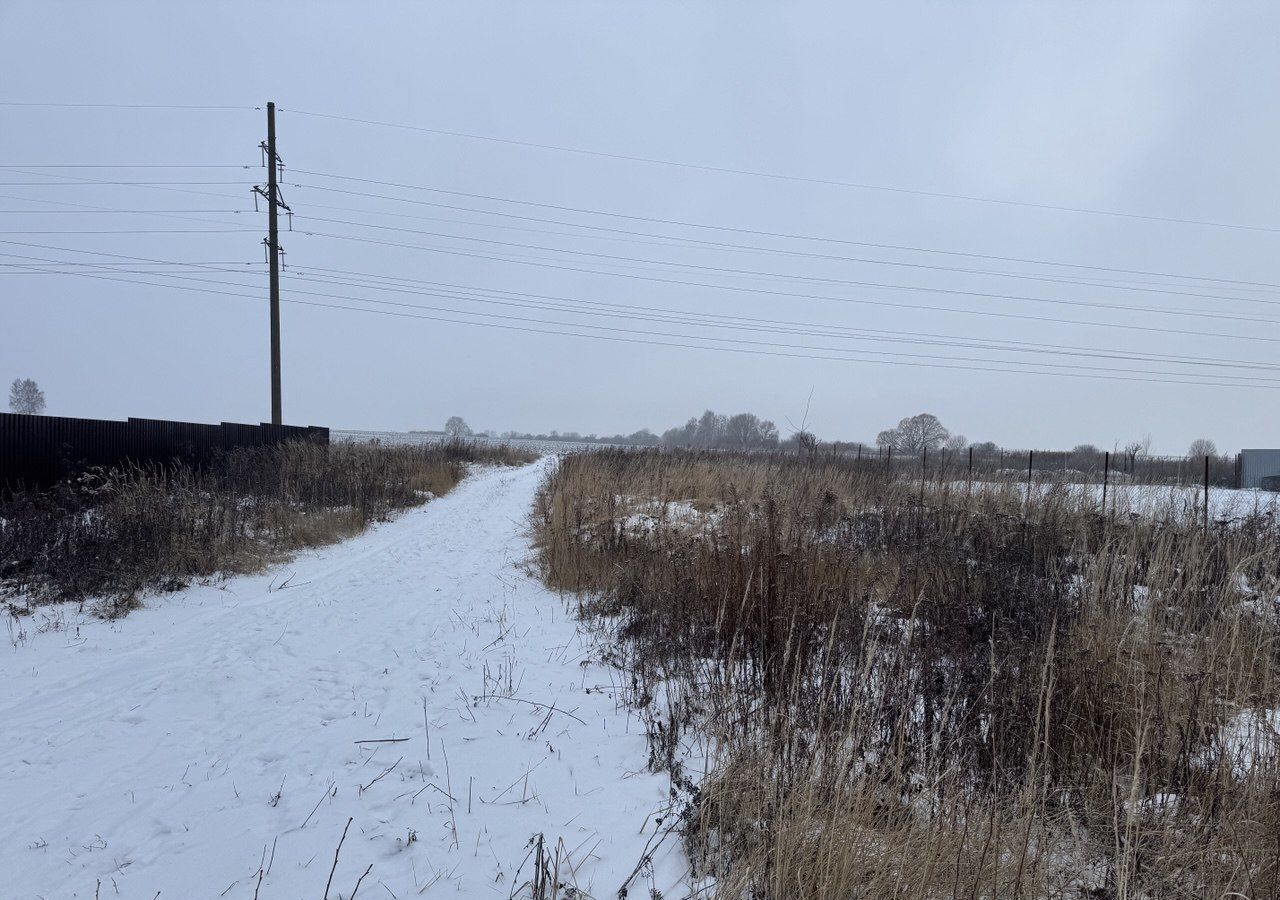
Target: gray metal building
x,y
1256,465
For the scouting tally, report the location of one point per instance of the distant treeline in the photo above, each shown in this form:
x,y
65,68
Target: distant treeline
x,y
914,437
642,438
743,431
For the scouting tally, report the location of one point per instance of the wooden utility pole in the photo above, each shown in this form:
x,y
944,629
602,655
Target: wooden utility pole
x,y
271,193
273,249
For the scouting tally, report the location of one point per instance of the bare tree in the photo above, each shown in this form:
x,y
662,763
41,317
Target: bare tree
x,y
1202,447
457,428
806,442
1138,448
26,397
768,434
955,443
644,437
1084,457
710,430
915,434
681,435
742,431
747,431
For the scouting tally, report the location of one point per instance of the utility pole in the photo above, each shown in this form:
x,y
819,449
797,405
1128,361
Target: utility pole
x,y
272,195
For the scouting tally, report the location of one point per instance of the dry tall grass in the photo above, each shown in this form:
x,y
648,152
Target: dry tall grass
x,y
114,533
912,689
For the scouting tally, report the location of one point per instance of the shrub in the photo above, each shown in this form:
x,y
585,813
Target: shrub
x,y
114,533
906,688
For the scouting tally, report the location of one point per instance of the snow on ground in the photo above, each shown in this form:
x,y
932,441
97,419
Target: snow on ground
x,y
425,437
1154,499
1224,503
412,680
1251,737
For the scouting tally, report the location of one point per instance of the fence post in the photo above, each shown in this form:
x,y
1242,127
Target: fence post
x,y
1031,455
924,467
1106,477
859,453
1206,494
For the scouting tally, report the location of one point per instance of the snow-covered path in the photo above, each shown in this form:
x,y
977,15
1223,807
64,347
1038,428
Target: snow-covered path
x,y
227,731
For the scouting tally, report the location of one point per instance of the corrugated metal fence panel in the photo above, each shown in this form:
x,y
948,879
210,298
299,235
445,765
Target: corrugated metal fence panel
x,y
1256,465
38,450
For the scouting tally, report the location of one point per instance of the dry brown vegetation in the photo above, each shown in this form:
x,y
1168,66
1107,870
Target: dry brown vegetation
x,y
114,533
909,689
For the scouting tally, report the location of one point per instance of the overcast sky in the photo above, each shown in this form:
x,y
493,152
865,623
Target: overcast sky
x,y
1161,110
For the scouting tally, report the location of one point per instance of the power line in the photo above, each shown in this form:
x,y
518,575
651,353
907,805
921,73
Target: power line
x,y
125,105
760,325
703,320
881,303
119,256
709,324
673,317
127,166
1001,343
83,212
791,178
751,351
1050,365
133,231
90,208
840,282
152,186
675,241
1146,329
158,185
778,353
164,271
97,182
737,230
194,264
748,248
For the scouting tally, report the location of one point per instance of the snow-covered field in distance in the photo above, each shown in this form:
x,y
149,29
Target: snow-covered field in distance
x,y
1155,499
423,437
1141,499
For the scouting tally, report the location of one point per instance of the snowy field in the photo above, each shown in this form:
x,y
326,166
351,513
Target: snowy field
x,y
411,687
1154,499
419,437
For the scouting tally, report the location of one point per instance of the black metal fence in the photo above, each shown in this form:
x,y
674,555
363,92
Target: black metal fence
x,y
1069,465
36,451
